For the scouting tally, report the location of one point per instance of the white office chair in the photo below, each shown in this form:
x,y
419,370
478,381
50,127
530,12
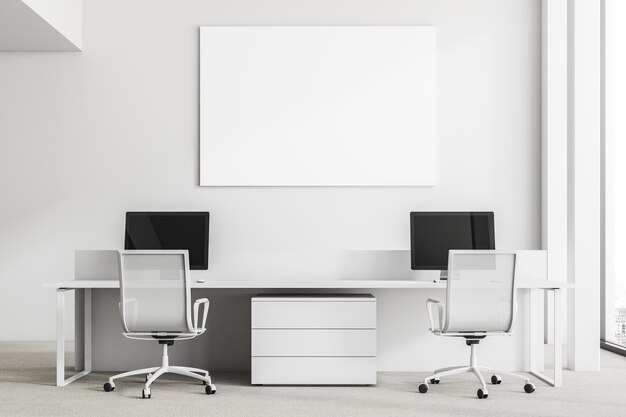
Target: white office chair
x,y
155,305
480,302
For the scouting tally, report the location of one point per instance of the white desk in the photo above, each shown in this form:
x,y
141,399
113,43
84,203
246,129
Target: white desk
x,y
86,286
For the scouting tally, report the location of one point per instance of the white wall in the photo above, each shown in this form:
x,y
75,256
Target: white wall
x,y
85,137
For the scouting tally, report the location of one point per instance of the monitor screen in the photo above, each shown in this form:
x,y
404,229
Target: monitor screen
x,y
169,230
433,234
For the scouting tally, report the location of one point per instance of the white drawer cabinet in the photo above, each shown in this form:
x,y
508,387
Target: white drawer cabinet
x,y
314,339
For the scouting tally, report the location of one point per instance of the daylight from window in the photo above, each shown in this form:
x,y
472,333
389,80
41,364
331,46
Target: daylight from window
x,y
616,103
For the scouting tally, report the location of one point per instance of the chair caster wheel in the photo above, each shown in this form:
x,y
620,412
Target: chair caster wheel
x,y
482,393
423,388
145,393
108,387
148,377
529,387
210,389
495,379
434,380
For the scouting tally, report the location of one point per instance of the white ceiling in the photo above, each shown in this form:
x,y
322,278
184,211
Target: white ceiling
x,y
36,25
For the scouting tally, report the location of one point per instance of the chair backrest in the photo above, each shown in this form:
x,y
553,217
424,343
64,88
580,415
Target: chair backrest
x,y
154,291
481,291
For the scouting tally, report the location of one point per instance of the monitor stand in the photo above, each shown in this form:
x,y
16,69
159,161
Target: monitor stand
x,y
443,276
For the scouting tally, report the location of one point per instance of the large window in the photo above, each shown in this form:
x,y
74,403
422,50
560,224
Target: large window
x,y
615,174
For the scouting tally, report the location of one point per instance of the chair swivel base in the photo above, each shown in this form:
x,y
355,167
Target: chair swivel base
x,y
476,370
153,373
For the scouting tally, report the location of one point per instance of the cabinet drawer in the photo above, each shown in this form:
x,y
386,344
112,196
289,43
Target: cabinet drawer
x,y
313,342
314,371
314,315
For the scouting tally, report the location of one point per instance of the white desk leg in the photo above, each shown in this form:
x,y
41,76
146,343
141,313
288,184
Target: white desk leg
x,y
558,345
558,339
87,335
61,381
60,337
531,340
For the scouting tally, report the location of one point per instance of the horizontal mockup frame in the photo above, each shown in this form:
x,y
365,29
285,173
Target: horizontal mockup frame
x,y
318,106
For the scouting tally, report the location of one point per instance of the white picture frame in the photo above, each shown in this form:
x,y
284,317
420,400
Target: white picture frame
x,y
318,106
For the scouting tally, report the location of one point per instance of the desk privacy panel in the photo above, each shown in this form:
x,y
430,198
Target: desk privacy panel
x,y
318,106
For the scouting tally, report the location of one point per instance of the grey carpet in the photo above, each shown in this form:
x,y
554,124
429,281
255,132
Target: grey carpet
x,y
27,388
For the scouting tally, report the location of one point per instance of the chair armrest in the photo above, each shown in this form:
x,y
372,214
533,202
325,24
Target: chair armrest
x,y
205,313
429,303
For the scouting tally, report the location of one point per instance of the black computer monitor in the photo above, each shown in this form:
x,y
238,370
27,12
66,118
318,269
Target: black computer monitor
x,y
433,234
170,230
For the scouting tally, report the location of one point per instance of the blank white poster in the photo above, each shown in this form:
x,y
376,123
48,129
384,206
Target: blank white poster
x,y
318,106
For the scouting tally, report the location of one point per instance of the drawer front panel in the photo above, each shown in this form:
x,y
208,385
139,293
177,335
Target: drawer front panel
x,y
313,342
313,315
314,371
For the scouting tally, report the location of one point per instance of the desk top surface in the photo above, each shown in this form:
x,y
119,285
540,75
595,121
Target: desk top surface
x,y
284,284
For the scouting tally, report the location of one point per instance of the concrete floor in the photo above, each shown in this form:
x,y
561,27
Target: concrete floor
x,y
27,388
